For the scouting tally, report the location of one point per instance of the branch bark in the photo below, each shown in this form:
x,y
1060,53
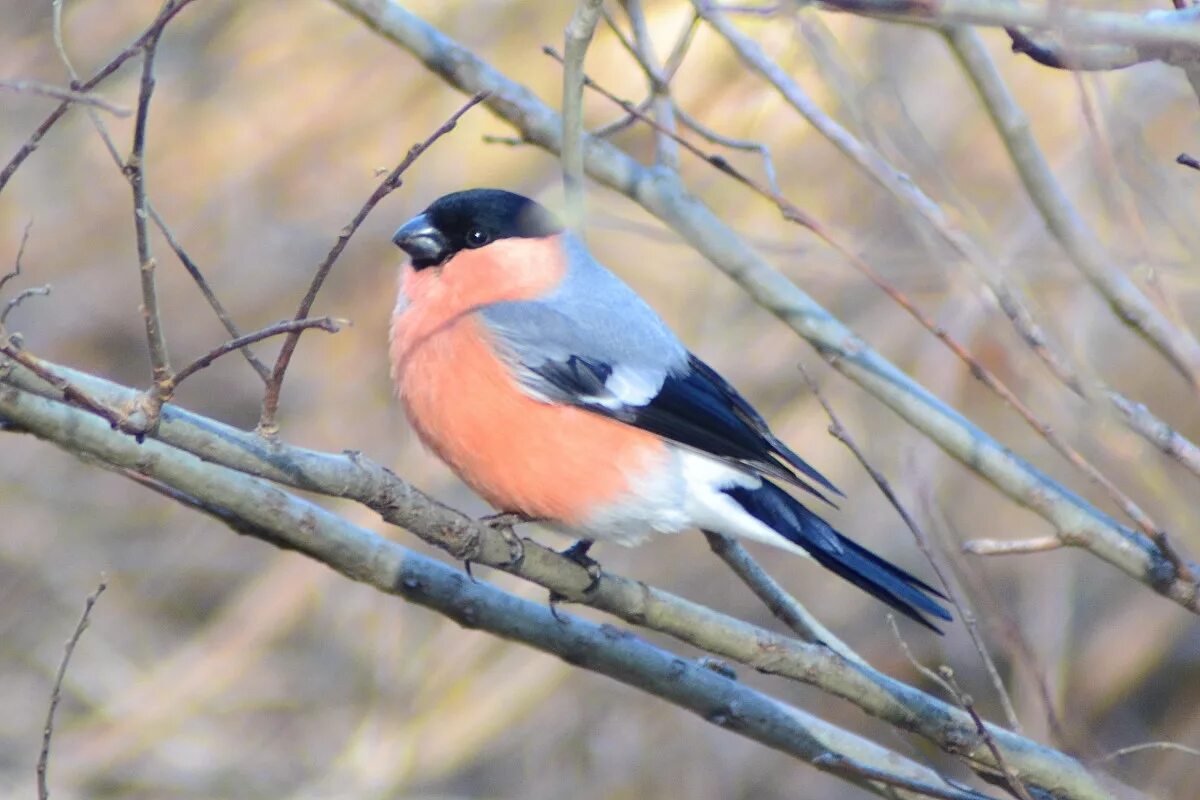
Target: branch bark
x,y
398,502
257,508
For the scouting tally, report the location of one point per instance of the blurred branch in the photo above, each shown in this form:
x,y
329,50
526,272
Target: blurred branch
x,y
1071,56
1141,748
662,194
902,188
66,95
1188,161
576,38
327,324
354,477
1131,306
666,151
260,509
168,12
43,761
1171,29
267,426
1004,547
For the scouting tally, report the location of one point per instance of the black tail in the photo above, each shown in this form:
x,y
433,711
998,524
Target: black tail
x,y
784,514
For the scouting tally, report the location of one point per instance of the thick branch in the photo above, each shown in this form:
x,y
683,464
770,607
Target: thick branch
x,y
260,509
355,478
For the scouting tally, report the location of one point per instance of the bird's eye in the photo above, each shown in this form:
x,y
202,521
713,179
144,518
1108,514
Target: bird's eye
x,y
477,237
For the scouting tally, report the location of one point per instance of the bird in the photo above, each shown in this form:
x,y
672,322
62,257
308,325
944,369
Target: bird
x,y
553,390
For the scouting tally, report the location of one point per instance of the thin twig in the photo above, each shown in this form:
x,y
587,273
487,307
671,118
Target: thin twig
x,y
666,152
267,425
842,765
119,420
1139,748
16,270
924,212
1188,161
135,169
66,95
965,613
786,608
43,761
1000,618
1006,547
27,149
576,38
21,297
968,704
327,324
185,259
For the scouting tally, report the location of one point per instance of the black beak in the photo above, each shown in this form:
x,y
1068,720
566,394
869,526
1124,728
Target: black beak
x,y
424,243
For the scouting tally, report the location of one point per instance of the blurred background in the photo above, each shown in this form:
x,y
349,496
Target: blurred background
x,y
217,666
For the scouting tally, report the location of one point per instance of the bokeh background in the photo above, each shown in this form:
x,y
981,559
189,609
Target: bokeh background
x,y
217,666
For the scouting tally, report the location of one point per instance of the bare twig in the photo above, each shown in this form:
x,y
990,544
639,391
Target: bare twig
x,y
787,609
21,297
924,212
1188,161
665,150
965,613
846,766
43,761
116,418
185,259
267,425
1141,748
16,270
576,38
327,324
135,170
168,12
66,95
968,703
1127,301
1005,547
1159,433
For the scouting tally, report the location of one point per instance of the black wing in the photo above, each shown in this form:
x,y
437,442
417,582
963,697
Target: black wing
x,y
696,408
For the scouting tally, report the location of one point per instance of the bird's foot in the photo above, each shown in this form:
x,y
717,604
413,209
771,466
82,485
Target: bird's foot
x,y
503,524
578,553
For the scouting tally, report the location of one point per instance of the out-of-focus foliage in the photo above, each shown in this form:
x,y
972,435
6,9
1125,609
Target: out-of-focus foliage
x,y
219,667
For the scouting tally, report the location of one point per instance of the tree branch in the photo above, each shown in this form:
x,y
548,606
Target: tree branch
x,y
262,510
267,426
354,477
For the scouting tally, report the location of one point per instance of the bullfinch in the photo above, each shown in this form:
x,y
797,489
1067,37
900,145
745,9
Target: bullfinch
x,y
556,393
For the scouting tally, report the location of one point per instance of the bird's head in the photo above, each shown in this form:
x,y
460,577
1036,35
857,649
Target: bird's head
x,y
471,220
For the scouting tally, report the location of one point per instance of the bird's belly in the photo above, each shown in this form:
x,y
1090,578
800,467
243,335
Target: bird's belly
x,y
542,459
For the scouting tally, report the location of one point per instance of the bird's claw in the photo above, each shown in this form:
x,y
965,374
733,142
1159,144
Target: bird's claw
x,y
577,553
503,524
